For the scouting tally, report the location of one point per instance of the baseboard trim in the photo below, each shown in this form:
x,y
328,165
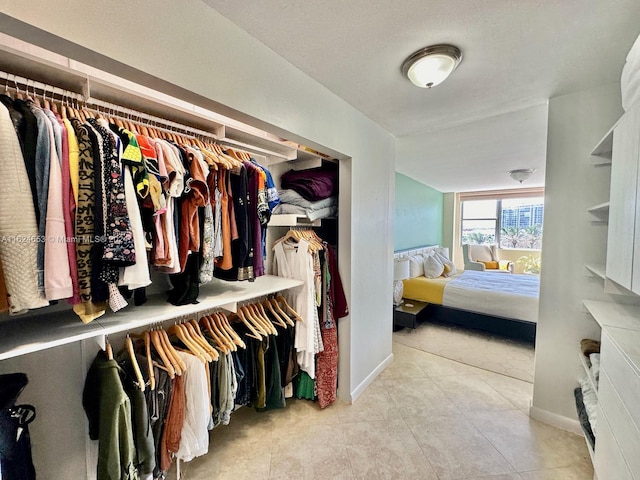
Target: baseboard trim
x,y
359,390
565,423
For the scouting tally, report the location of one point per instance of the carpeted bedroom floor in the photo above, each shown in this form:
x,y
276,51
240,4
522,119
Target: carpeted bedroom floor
x,y
472,347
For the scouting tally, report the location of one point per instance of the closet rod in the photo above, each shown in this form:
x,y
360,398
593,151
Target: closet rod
x,y
50,91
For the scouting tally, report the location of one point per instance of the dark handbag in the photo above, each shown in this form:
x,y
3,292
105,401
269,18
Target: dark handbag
x,y
15,442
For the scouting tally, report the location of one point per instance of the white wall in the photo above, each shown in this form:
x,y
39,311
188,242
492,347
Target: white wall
x,y
577,122
183,47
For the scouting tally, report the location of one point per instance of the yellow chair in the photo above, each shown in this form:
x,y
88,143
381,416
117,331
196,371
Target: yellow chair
x,y
484,258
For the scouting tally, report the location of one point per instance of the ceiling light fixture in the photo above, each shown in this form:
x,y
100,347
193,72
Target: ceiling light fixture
x,y
521,174
432,65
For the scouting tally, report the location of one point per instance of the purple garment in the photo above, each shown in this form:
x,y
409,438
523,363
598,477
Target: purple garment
x,y
313,184
254,220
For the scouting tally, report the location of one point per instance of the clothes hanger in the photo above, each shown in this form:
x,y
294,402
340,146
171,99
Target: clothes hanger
x,y
174,358
145,338
194,346
254,333
134,362
107,349
265,319
147,352
279,309
225,337
196,333
159,347
249,314
179,332
226,326
269,309
207,325
288,307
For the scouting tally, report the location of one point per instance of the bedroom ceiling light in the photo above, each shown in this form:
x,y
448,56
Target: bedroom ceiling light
x,y
432,65
521,174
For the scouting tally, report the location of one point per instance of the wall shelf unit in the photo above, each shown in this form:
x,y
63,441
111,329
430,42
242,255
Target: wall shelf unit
x,y
597,270
42,329
609,314
603,151
600,211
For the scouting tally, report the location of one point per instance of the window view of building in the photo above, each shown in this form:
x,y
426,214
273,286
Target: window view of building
x,y
509,222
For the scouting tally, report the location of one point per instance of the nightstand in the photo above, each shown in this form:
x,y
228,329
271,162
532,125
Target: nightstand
x,y
409,313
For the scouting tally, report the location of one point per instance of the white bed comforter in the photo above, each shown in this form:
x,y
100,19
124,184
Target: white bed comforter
x,y
497,294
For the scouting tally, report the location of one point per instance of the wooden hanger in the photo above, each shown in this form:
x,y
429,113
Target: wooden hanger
x,y
273,313
206,324
134,362
159,347
107,349
288,308
225,336
260,313
178,365
254,332
257,323
196,333
147,353
283,314
224,322
179,332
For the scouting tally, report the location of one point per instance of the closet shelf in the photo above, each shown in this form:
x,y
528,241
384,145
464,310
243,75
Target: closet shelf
x,y
22,335
618,315
600,211
604,148
597,270
97,87
292,220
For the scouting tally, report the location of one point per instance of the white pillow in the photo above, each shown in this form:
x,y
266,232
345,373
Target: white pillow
x,y
445,261
444,251
416,269
433,267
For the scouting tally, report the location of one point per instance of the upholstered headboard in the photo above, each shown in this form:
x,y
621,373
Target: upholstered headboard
x,y
413,251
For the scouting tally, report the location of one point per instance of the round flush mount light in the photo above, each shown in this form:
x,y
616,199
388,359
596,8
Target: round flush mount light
x,y
521,174
430,66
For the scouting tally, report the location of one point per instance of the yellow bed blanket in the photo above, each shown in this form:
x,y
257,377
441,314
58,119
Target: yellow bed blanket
x,y
423,289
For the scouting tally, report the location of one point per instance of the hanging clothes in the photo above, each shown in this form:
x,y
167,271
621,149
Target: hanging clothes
x,y
19,252
294,261
194,439
334,307
108,410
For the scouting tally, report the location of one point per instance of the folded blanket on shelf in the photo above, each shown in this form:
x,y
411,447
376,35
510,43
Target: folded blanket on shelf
x,y
313,184
589,346
590,400
595,366
584,418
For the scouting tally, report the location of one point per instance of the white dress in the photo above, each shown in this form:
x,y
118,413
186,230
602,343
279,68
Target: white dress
x,y
194,441
294,261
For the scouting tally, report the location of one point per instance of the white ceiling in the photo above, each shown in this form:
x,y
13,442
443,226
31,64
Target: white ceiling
x,y
517,54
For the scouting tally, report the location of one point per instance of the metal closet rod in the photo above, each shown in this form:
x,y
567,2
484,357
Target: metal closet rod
x,y
51,91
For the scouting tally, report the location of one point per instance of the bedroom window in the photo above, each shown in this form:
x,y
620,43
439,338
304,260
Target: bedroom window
x,y
508,221
479,221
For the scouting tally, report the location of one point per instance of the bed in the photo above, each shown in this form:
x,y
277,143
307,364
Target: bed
x,y
501,304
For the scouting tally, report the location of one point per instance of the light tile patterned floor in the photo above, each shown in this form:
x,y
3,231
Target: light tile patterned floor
x,y
425,417
489,352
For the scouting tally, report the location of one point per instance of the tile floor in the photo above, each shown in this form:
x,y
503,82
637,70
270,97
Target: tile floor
x,y
479,349
425,417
